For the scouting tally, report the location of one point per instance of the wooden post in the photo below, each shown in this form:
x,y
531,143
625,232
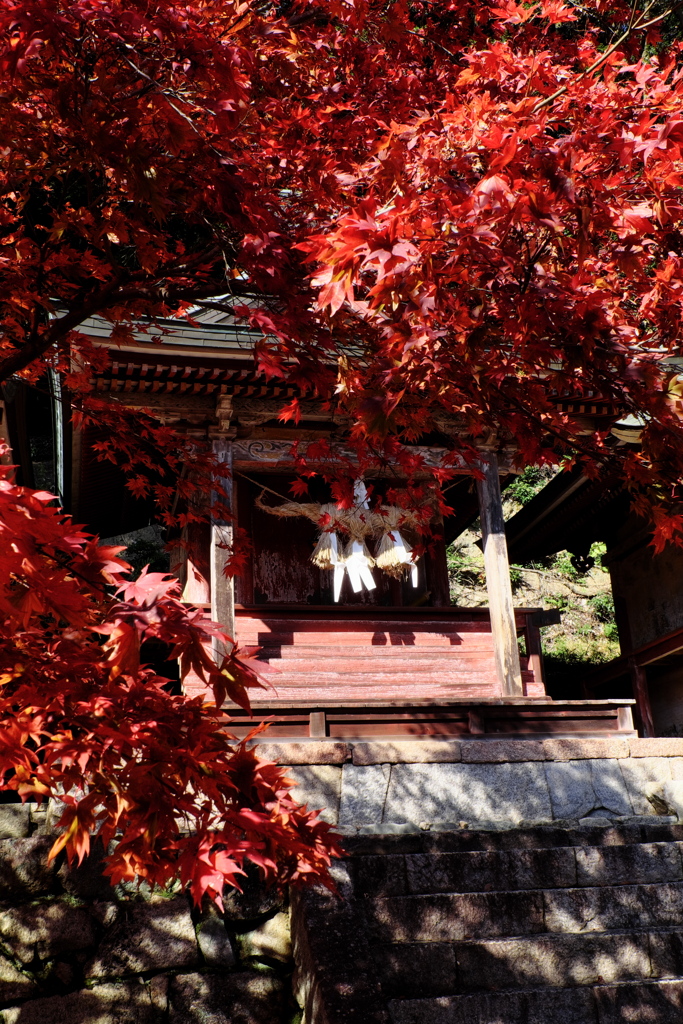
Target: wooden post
x,y
222,588
436,568
501,609
534,650
642,696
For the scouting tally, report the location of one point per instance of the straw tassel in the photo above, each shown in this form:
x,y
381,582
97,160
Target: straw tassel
x,y
326,552
395,557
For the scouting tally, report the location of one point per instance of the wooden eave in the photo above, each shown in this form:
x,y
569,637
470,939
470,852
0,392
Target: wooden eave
x,y
568,509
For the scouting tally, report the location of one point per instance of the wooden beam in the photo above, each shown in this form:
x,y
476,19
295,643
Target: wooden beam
x,y
501,608
222,588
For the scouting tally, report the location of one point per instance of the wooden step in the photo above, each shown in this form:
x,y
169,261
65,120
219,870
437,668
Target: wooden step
x,y
390,653
348,623
407,665
322,694
344,654
348,638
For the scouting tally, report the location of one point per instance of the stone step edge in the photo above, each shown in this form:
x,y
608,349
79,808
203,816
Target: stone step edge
x,y
402,828
557,990
529,937
488,751
564,890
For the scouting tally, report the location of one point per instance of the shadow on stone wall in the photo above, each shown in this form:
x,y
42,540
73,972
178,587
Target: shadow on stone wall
x,y
74,950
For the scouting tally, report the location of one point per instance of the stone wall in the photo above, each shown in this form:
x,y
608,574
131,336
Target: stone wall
x,y
387,787
74,950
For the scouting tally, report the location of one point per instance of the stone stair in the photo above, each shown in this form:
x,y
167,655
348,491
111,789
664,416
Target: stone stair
x,y
542,925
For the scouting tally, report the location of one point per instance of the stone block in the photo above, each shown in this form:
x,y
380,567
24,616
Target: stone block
x,y
243,998
620,865
553,960
214,943
318,786
482,871
676,765
145,937
132,1002
363,792
383,875
640,775
47,930
620,907
15,821
452,918
14,984
666,954
271,940
309,752
667,797
659,1002
406,752
341,877
580,749
24,868
388,828
557,1006
497,751
609,787
578,788
656,746
254,900
86,881
415,971
468,792
38,815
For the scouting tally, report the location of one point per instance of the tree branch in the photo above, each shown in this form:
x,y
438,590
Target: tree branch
x,y
105,299
632,27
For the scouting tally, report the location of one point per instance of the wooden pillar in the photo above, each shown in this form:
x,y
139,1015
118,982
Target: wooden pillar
x,y
436,568
501,608
534,649
222,588
641,694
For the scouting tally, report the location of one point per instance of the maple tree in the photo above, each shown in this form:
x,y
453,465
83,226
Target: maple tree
x,y
87,721
480,201
426,207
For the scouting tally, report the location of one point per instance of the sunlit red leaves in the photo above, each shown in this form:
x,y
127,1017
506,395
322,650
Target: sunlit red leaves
x,y
93,726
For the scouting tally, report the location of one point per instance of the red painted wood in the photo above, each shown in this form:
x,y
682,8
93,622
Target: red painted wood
x,y
493,718
329,655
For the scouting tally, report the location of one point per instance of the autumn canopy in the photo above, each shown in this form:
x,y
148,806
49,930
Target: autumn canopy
x,y
424,207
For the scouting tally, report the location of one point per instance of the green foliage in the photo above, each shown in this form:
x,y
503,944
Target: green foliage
x,y
597,550
560,601
602,606
516,576
463,568
529,483
578,652
562,565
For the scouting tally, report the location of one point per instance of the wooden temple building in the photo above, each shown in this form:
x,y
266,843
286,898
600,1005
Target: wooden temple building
x,y
572,512
394,660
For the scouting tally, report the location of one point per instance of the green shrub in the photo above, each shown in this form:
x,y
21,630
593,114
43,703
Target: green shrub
x,y
529,483
602,606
